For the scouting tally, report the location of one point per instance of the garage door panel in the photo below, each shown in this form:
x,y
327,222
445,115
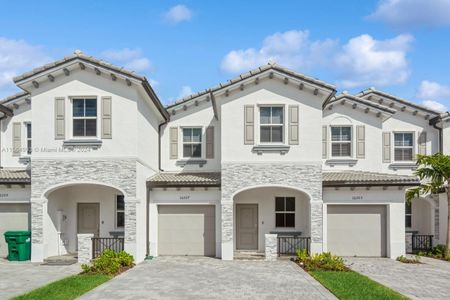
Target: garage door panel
x,y
186,230
12,217
357,230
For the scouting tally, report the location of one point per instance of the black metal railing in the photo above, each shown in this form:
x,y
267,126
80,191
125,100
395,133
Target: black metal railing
x,y
100,244
289,245
421,242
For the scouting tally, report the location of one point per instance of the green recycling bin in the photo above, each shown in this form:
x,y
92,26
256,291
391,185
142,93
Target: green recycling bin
x,y
19,245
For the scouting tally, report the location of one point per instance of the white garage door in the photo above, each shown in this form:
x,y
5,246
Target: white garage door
x,y
186,230
357,230
12,217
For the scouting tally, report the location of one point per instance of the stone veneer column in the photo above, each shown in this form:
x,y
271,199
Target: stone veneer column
x,y
227,230
130,225
271,245
84,247
38,211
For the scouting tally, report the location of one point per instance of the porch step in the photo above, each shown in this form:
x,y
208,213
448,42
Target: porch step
x,y
248,256
63,260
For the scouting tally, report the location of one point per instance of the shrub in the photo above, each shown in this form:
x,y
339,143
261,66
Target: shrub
x,y
439,252
109,263
408,260
321,262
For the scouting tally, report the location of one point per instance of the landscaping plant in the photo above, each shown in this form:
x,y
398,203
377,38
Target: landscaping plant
x,y
434,172
408,260
320,262
438,252
109,263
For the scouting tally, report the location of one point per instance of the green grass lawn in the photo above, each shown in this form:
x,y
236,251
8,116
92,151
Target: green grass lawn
x,y
68,288
352,285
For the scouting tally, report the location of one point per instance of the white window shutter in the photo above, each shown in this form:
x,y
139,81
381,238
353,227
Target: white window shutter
x,y
386,147
249,124
423,143
106,118
60,113
210,142
17,138
324,141
293,125
173,136
360,141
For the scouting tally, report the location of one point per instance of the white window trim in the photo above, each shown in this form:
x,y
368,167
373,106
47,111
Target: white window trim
x,y
294,212
413,147
410,215
71,118
258,125
202,146
28,138
340,142
116,211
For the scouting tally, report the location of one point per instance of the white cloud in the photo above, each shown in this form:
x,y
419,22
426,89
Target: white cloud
x,y
132,59
292,49
431,93
16,57
177,14
185,91
412,13
364,61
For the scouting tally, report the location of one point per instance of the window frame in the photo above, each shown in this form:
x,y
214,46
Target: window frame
x,y
285,212
117,211
283,124
72,118
192,143
408,215
350,142
412,147
28,139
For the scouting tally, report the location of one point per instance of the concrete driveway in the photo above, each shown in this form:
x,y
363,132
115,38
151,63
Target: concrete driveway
x,y
17,278
429,280
210,278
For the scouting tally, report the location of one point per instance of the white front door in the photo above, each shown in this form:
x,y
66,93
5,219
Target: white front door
x,y
89,218
246,226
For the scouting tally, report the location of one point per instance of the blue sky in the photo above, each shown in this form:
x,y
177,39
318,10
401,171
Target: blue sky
x,y
399,46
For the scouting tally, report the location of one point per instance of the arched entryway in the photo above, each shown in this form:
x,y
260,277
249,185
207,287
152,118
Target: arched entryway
x,y
265,210
74,208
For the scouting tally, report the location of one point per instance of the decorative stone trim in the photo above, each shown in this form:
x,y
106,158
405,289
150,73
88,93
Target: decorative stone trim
x,y
397,166
408,242
71,144
260,149
349,162
130,219
38,207
271,246
184,162
84,247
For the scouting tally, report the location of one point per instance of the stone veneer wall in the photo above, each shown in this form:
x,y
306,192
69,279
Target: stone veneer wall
x,y
306,177
120,173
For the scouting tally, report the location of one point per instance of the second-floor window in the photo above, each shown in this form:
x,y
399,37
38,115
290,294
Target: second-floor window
x,y
271,121
84,117
28,125
341,141
192,142
403,146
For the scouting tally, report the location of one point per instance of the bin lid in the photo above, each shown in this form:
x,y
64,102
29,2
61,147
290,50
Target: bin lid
x,y
18,233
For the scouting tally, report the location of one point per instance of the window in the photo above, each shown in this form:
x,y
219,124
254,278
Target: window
x,y
271,124
120,211
192,142
84,117
341,141
28,125
284,211
403,146
408,215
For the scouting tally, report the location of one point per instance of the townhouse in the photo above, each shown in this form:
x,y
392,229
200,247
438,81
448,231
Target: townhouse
x,y
267,162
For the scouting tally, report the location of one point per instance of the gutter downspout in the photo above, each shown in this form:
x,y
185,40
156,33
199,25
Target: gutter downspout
x,y
147,246
433,123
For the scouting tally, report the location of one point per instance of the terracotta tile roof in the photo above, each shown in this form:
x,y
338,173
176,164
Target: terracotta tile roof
x,y
352,178
362,101
14,176
169,179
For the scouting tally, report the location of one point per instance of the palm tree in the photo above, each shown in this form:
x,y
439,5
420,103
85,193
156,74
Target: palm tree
x,y
434,174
